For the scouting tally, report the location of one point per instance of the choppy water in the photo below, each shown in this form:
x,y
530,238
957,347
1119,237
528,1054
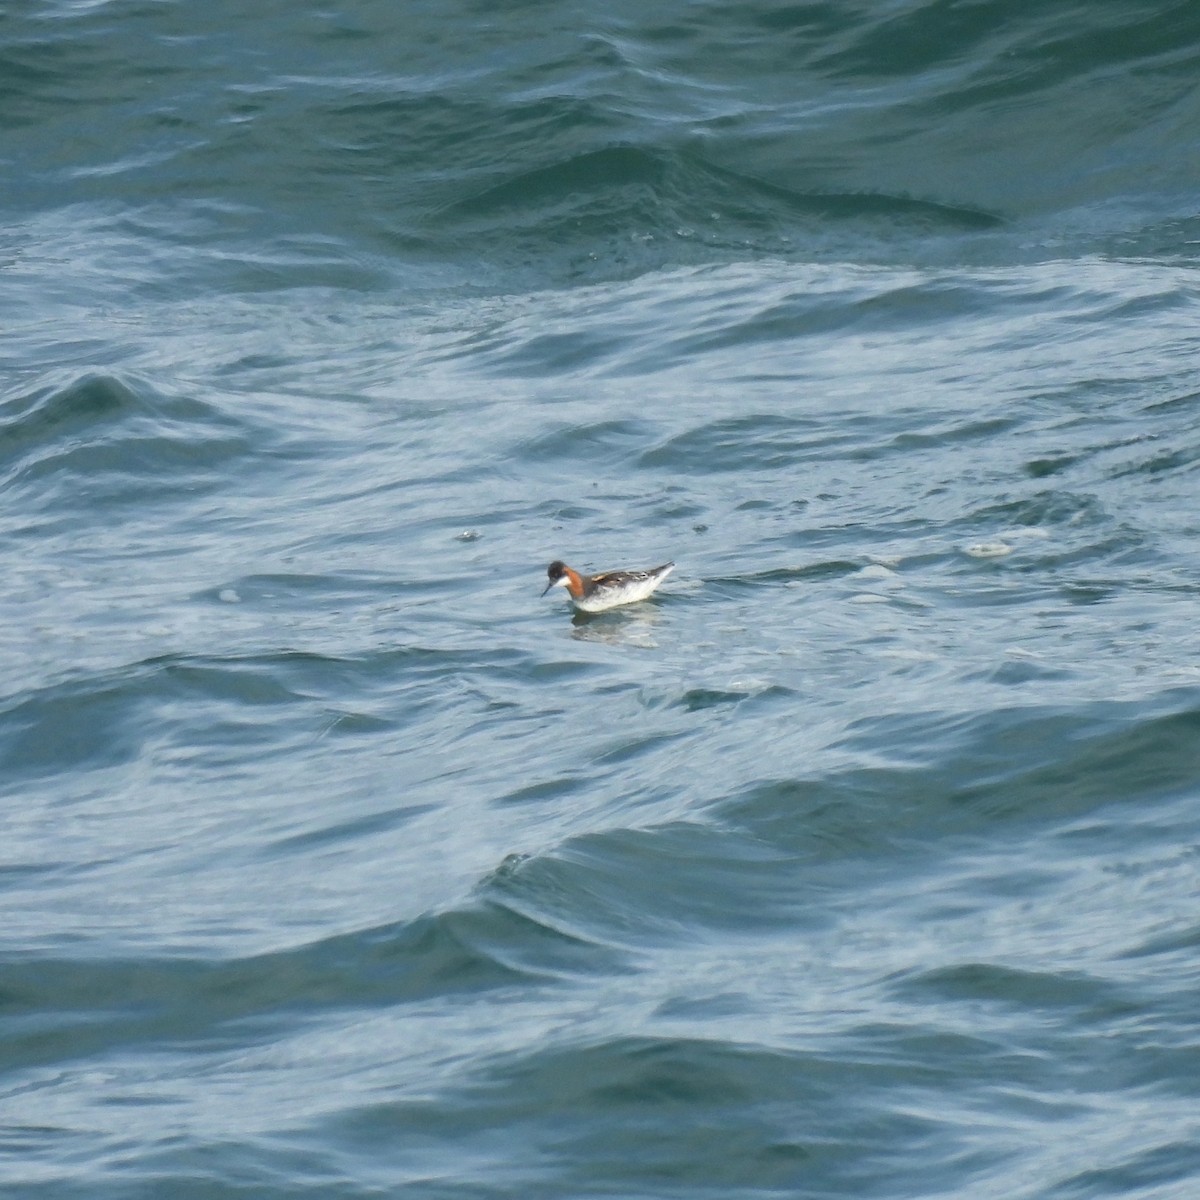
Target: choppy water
x,y
861,862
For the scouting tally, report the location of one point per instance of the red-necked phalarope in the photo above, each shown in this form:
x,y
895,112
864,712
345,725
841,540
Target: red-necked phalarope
x,y
595,593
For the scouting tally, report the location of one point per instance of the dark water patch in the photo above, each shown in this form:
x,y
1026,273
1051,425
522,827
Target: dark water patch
x,y
462,142
550,355
1040,468
112,717
649,1073
560,670
558,512
955,80
673,505
348,831
253,680
647,885
1011,58
814,572
307,673
970,776
74,726
1118,547
945,436
615,167
563,130
1049,508
932,301
1162,461
116,441
622,210
857,309
759,442
1174,240
1111,312
1020,672
1090,1000
1180,944
90,402
109,718
698,699
697,186
53,61
1096,592
932,1052
1141,1173
1185,403
1122,756
815,820
569,446
676,1116
64,1009
550,791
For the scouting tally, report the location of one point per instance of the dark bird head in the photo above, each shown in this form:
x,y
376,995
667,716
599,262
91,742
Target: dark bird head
x,y
557,573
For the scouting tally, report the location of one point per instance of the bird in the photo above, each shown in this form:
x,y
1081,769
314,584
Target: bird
x,y
595,593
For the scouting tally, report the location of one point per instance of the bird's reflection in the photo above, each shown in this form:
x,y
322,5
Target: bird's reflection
x,y
632,627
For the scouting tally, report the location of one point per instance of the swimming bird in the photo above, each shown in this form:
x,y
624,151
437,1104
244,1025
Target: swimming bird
x,y
595,593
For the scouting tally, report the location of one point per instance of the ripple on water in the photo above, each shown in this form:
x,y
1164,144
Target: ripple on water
x,y
114,440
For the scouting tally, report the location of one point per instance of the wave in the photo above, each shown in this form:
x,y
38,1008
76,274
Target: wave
x,y
792,130
97,1003
940,775
630,208
103,437
681,185
105,716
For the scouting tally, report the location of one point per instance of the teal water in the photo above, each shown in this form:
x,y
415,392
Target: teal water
x,y
859,862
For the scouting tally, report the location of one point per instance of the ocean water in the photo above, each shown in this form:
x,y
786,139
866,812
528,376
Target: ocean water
x,y
861,861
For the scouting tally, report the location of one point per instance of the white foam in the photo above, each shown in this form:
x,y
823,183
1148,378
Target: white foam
x,y
993,549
